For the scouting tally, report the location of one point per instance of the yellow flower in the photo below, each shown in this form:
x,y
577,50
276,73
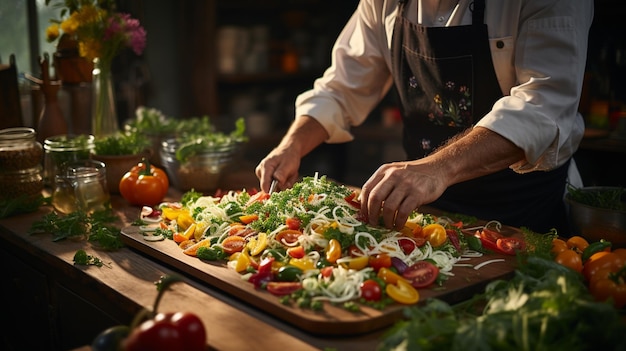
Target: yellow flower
x,y
52,32
71,24
90,48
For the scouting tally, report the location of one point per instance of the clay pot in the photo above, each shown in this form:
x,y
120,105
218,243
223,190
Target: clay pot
x,y
118,165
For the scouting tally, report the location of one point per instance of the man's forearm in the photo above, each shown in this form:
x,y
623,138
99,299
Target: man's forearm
x,y
304,134
475,154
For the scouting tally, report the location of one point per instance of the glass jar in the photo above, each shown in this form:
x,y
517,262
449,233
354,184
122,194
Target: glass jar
x,y
25,182
19,149
80,185
65,148
20,163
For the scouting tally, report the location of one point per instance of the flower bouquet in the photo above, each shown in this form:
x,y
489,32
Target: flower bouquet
x,y
101,32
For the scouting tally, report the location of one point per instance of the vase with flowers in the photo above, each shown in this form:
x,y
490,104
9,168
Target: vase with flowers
x,y
101,33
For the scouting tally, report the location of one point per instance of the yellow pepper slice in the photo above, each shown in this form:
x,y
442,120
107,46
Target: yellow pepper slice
x,y
402,292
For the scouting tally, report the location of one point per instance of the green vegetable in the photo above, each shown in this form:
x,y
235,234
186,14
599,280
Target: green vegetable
x,y
594,248
194,143
607,198
94,227
21,204
211,253
543,307
82,258
288,273
129,143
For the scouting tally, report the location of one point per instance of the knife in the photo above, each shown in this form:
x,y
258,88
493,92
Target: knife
x,y
272,186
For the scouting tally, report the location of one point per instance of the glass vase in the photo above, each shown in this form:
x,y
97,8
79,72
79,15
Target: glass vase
x,y
103,112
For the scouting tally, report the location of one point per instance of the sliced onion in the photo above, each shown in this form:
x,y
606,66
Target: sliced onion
x,y
482,264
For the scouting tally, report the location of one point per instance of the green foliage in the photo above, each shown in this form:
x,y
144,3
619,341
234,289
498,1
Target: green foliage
x,y
95,227
607,198
129,143
545,306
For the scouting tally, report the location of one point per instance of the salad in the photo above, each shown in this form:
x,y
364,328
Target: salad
x,y
309,245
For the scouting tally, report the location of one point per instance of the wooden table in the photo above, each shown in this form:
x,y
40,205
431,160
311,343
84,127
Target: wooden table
x,y
65,306
69,305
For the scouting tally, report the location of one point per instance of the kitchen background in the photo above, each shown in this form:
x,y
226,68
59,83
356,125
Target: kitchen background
x,y
229,59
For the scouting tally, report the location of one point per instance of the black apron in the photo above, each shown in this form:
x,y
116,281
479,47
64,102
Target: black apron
x,y
446,82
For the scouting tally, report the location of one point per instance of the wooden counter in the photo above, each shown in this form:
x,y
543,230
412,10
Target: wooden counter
x,y
51,304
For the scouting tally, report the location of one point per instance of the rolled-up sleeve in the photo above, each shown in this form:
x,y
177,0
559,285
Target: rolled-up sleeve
x,y
540,115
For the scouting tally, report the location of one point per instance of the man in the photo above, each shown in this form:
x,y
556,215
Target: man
x,y
489,93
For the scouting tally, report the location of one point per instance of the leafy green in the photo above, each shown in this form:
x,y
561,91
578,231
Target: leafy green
x,y
82,258
545,306
607,198
95,227
21,204
192,143
128,143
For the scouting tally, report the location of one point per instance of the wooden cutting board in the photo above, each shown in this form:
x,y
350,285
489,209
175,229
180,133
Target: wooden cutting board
x,y
333,320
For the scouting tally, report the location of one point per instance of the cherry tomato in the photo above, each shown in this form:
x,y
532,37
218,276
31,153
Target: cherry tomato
x,y
421,274
283,288
407,245
558,246
570,259
233,244
510,245
293,223
402,292
296,252
261,196
370,290
168,331
352,200
191,329
379,261
577,243
435,234
354,251
288,236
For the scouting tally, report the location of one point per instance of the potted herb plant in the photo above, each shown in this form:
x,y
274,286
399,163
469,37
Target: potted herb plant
x,y
120,152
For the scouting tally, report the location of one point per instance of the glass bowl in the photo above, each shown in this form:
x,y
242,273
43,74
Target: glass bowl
x,y
200,171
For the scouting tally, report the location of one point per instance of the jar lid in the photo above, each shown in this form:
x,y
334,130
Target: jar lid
x,y
70,142
12,134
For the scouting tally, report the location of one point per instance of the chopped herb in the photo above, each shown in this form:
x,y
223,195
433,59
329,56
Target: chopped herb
x,y
82,258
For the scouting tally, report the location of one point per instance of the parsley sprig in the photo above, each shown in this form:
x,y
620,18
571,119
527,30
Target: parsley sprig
x,y
96,227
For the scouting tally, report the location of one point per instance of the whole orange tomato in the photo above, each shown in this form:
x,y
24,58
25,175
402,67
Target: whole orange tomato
x,y
571,259
144,185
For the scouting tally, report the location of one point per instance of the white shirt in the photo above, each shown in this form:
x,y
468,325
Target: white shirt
x,y
540,70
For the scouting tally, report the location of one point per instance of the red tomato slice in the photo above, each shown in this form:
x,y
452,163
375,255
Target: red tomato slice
x,y
371,291
421,274
288,236
454,238
510,246
296,252
283,288
233,244
490,235
293,223
351,199
407,245
379,261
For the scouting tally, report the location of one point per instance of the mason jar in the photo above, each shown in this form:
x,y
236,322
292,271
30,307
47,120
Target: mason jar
x,y
65,148
80,186
20,163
